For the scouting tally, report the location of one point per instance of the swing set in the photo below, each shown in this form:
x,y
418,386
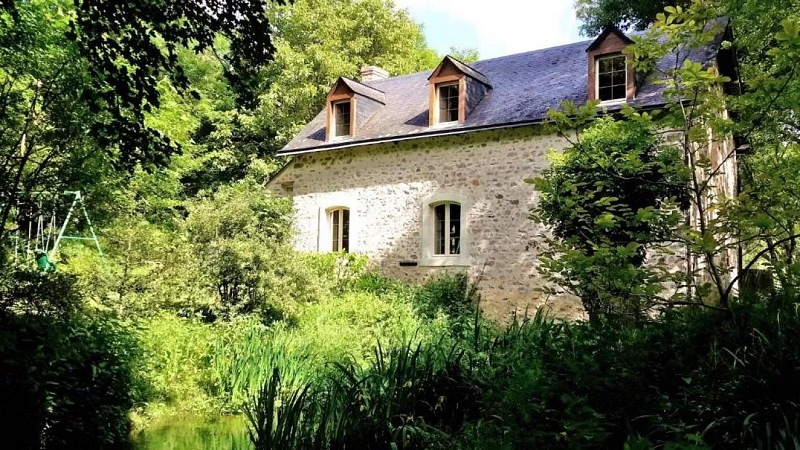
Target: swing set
x,y
45,234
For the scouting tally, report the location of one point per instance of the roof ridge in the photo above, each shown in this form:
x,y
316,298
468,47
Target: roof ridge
x,y
362,84
470,65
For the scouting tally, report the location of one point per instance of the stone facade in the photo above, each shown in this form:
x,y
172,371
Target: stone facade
x,y
386,187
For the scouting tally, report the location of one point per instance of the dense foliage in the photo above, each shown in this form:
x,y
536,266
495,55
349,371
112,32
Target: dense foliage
x,y
200,307
68,378
615,193
547,384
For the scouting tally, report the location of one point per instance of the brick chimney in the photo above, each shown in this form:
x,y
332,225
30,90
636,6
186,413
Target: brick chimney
x,y
370,73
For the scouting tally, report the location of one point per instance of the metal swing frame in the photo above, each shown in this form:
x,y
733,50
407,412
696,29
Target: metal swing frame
x,y
77,200
42,244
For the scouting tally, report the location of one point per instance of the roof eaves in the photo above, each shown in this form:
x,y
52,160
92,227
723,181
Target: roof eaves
x,y
408,137
435,133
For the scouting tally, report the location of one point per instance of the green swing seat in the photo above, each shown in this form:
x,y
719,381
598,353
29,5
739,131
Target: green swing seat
x,y
43,263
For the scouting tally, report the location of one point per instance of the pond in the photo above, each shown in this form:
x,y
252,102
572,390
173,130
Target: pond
x,y
225,433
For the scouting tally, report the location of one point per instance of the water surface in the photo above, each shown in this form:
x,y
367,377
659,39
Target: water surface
x,y
225,433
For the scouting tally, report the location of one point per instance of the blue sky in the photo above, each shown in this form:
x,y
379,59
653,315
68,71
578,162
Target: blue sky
x,y
496,27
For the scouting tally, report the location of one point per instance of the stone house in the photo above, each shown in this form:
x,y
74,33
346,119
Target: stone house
x,y
424,173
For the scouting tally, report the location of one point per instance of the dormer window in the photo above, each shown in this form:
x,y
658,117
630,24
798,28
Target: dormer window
x,y
612,78
455,90
341,118
448,102
350,104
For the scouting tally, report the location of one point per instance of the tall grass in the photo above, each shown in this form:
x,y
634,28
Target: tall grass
x,y
199,368
248,355
408,397
694,379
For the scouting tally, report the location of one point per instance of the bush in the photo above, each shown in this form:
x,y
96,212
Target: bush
x,y
696,377
201,368
176,365
66,382
348,326
452,294
29,291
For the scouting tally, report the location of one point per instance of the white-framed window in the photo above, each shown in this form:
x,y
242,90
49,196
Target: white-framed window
x,y
447,99
339,220
340,121
446,228
612,78
339,226
445,241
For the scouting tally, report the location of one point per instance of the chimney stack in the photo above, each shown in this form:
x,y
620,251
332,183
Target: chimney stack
x,y
371,73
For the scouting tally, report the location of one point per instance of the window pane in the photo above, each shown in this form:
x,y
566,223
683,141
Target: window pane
x,y
618,78
455,229
611,82
618,91
604,80
618,63
439,229
346,230
342,117
604,66
335,230
448,103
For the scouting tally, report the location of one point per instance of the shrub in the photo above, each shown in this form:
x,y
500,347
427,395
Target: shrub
x,y
176,365
348,326
608,198
66,382
30,291
452,294
696,377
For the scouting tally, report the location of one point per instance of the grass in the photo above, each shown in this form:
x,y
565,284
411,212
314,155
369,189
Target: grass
x,y
194,368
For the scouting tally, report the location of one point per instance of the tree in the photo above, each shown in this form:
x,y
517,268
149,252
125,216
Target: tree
x,y
129,45
616,193
697,107
596,15
319,40
79,80
44,132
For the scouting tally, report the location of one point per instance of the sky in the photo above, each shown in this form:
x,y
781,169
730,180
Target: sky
x,y
496,27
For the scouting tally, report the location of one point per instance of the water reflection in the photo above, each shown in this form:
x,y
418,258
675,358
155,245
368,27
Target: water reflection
x,y
227,433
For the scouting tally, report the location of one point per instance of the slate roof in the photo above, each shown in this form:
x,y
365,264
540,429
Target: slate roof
x,y
524,87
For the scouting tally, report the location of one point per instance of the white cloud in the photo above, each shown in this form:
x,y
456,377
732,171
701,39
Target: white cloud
x,y
503,27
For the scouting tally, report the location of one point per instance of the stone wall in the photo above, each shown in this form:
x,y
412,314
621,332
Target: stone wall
x,y
385,186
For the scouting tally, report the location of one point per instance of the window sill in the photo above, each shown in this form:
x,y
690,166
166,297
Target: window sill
x,y
614,102
341,138
445,261
452,124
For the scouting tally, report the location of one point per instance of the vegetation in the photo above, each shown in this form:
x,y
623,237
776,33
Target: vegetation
x,y
611,198
167,117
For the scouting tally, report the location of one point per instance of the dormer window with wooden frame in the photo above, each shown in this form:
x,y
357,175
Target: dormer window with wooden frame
x,y
342,118
455,90
611,76
350,104
449,102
